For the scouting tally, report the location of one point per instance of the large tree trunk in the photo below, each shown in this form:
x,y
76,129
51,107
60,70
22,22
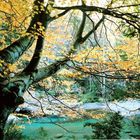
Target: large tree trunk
x,y
9,100
5,111
8,103
11,93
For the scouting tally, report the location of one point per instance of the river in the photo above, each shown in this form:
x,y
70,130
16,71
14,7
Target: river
x,y
54,127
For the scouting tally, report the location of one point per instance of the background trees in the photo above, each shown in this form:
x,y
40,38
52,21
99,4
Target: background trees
x,y
38,38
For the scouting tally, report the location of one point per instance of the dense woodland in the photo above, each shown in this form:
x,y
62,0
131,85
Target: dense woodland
x,y
61,47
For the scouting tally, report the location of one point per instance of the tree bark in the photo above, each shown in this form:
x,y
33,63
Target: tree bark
x,y
12,53
4,113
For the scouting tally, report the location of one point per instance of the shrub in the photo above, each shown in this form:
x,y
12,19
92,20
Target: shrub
x,y
109,128
14,132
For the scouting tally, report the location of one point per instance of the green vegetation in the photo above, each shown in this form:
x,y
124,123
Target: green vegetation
x,y
14,132
109,128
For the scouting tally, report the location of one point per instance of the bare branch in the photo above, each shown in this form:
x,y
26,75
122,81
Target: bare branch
x,y
93,30
106,11
125,6
60,15
38,101
81,29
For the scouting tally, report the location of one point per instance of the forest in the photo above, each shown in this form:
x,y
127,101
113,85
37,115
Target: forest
x,y
69,69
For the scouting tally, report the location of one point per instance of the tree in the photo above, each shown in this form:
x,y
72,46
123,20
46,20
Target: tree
x,y
30,24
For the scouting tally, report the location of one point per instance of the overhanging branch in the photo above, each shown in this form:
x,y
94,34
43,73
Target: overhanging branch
x,y
12,53
93,30
48,71
106,11
43,19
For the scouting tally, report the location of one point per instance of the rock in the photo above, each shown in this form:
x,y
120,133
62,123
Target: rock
x,y
58,136
12,119
25,110
93,106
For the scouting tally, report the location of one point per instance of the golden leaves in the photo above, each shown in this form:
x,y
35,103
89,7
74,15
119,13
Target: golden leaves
x,y
123,57
6,69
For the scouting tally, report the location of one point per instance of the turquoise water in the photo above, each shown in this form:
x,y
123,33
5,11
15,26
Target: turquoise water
x,y
57,128
53,128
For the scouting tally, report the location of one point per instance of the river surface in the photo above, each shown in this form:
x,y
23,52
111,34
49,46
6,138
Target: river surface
x,y
58,128
54,127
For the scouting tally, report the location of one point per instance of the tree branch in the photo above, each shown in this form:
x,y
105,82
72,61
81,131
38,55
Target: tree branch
x,y
105,11
48,71
36,56
37,13
93,30
125,6
12,53
60,15
81,28
78,37
40,41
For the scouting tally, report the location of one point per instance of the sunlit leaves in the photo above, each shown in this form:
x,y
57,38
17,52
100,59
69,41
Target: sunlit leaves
x,y
17,11
6,69
61,34
123,57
